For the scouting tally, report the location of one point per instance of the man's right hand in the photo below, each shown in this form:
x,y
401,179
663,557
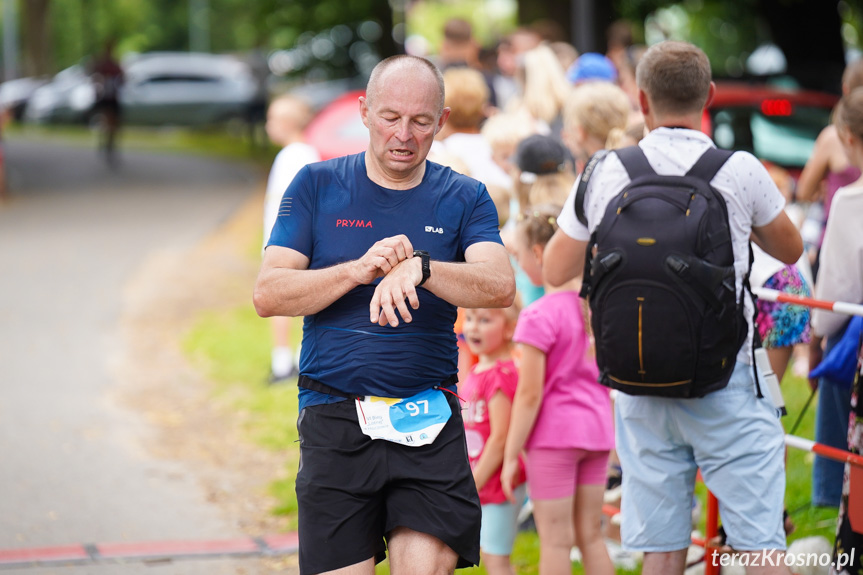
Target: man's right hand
x,y
382,257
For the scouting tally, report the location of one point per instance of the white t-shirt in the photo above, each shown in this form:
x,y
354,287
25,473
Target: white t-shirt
x,y
750,194
475,151
288,162
840,272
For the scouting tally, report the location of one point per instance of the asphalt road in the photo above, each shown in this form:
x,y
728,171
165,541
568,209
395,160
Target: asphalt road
x,y
71,466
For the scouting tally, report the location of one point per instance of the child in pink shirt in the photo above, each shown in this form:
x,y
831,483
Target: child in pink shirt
x,y
561,416
489,389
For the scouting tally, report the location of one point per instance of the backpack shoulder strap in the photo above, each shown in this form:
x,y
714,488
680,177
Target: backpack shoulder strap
x,y
709,163
581,190
635,162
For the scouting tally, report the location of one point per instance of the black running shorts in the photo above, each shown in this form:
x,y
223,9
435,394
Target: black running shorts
x,y
353,490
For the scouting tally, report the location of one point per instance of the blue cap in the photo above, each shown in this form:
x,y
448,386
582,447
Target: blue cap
x,y
591,66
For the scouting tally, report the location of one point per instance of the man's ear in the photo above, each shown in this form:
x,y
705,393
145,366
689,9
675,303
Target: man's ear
x,y
537,252
364,110
443,118
710,93
643,102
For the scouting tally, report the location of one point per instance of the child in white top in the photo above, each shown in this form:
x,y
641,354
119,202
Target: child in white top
x,y
287,117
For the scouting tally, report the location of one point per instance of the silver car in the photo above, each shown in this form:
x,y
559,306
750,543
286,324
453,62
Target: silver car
x,y
160,88
186,89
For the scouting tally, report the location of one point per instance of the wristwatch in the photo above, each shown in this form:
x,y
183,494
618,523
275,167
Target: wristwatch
x,y
425,263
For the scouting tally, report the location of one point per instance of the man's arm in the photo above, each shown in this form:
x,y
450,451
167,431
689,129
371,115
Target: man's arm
x,y
780,238
563,259
484,279
286,287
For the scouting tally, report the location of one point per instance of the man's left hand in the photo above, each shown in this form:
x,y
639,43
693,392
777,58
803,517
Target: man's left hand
x,y
392,291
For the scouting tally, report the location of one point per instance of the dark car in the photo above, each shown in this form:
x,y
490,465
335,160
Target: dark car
x,y
778,125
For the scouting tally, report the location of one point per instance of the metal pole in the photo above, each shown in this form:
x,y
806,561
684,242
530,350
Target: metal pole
x,y
583,15
10,39
711,529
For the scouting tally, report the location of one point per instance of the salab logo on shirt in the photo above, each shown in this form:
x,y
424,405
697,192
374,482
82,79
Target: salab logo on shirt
x,y
434,230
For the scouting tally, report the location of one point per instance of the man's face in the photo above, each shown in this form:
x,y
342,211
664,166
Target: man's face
x,y
402,118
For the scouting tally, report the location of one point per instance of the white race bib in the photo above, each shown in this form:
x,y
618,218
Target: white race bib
x,y
411,421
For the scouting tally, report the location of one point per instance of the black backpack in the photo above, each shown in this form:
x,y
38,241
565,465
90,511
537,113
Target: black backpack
x,y
666,317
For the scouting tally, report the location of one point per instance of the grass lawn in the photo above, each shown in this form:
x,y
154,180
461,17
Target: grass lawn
x,y
231,141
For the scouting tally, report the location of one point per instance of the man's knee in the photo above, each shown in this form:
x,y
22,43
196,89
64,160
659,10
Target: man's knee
x,y
415,553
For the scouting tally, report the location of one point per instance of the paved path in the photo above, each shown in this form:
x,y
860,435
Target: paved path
x,y
71,464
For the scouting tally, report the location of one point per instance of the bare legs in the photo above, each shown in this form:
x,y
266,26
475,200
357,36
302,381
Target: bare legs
x,y
562,523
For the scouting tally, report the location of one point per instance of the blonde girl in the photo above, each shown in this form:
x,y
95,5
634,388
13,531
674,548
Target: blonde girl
x,y
593,111
561,416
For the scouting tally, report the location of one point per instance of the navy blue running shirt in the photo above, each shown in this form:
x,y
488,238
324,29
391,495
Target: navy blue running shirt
x,y
331,213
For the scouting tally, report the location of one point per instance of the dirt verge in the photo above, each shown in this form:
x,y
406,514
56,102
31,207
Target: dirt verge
x,y
160,304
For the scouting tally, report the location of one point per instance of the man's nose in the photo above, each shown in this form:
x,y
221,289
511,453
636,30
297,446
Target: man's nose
x,y
403,131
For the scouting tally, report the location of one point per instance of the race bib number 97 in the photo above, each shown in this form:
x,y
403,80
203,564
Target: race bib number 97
x,y
411,421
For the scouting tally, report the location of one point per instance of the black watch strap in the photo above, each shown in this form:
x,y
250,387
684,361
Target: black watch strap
x,y
425,265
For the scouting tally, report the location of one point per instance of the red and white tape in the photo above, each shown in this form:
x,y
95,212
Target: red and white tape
x,y
782,297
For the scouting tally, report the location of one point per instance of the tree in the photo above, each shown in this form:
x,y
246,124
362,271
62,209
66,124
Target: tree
x,y
36,37
809,32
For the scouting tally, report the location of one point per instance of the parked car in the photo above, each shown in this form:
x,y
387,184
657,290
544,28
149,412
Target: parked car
x,y
778,125
67,98
188,89
160,88
14,94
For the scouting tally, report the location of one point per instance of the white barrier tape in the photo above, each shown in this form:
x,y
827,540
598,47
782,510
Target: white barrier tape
x,y
799,443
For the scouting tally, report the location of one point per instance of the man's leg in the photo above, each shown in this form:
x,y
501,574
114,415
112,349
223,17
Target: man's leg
x,y
415,553
664,563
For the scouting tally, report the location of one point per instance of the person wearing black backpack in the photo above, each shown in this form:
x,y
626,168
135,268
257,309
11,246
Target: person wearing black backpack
x,y
664,228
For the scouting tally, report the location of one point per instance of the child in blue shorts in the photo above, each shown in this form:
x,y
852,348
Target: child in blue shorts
x,y
489,389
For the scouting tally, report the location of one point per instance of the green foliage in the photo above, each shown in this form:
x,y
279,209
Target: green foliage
x,y
428,18
727,31
809,520
233,348
80,28
214,141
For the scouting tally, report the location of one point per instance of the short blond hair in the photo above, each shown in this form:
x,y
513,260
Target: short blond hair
x,y
505,129
290,106
599,107
551,188
467,96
